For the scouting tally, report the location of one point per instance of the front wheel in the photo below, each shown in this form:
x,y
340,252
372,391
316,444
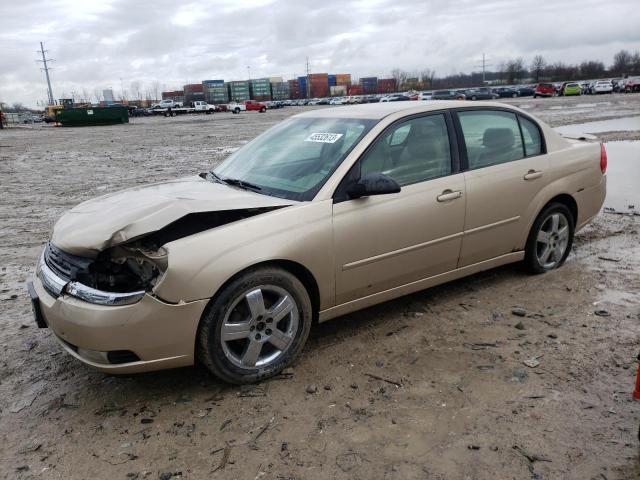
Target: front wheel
x,y
262,110
255,327
550,239
236,110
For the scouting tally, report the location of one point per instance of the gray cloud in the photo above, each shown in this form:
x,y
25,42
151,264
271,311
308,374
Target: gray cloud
x,y
98,43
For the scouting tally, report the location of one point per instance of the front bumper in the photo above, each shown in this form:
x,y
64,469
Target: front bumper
x,y
160,334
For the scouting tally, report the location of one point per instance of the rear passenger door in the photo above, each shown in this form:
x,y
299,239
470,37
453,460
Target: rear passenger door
x,y
503,155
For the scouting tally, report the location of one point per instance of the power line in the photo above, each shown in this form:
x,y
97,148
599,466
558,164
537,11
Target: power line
x,y
484,67
46,69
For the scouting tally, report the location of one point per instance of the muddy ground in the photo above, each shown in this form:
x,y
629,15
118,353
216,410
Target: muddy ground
x,y
429,386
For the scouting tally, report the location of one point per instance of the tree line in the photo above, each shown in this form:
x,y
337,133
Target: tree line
x,y
514,71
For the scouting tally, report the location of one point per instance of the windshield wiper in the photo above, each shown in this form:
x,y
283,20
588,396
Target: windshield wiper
x,y
215,177
236,182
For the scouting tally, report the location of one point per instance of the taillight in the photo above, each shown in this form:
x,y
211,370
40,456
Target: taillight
x,y
603,158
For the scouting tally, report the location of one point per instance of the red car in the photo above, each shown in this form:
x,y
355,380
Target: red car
x,y
544,90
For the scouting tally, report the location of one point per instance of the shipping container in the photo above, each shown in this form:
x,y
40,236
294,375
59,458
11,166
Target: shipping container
x,y
260,88
338,90
275,80
369,85
343,79
193,88
387,85
215,91
280,91
238,91
354,90
332,80
294,89
302,82
171,95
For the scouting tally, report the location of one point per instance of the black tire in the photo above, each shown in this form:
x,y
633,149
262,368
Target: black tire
x,y
236,110
514,95
474,98
531,261
209,340
262,110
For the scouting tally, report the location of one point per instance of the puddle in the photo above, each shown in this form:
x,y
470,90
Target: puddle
x,y
625,124
623,175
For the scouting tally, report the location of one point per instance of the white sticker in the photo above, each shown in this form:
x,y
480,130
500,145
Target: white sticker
x,y
324,137
89,112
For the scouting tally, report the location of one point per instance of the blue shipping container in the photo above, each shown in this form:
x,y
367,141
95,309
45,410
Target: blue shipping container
x,y
332,80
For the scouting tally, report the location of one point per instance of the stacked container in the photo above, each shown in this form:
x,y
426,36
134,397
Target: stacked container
x,y
343,79
193,92
319,85
275,80
175,95
354,90
332,80
215,91
387,85
238,91
280,91
294,89
338,90
369,85
260,89
302,83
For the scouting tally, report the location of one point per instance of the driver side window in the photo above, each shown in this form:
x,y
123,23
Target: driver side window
x,y
411,152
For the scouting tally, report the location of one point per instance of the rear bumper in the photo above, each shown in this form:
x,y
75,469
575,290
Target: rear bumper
x,y
161,335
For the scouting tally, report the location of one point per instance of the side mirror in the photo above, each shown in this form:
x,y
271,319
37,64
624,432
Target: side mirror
x,y
373,184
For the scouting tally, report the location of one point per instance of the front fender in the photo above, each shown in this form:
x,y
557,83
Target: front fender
x,y
200,264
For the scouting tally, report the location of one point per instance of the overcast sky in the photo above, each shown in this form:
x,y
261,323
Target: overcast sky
x,y
99,44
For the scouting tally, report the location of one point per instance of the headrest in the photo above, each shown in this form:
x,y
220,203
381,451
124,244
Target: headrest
x,y
498,138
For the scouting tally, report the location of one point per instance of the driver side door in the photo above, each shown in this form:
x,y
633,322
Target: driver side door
x,y
386,241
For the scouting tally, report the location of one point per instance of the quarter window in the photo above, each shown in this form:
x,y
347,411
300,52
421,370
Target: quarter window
x,y
531,136
491,137
411,152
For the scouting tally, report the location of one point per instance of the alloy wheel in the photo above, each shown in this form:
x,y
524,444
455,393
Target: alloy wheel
x,y
259,327
552,240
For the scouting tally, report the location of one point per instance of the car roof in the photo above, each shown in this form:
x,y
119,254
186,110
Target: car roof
x,y
377,111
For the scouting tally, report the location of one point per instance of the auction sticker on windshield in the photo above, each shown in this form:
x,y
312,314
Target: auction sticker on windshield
x,y
323,137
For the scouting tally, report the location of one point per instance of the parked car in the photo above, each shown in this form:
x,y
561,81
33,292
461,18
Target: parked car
x,y
480,93
336,101
602,86
165,104
570,89
395,97
447,95
312,220
544,90
425,95
505,92
525,90
632,84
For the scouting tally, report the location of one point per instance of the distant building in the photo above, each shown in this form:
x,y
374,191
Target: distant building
x,y
108,96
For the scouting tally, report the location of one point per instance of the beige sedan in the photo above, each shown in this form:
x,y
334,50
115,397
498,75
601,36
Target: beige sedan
x,y
328,212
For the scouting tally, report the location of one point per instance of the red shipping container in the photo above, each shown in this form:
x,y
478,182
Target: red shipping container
x,y
354,90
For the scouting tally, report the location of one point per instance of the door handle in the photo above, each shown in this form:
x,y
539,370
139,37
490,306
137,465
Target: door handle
x,y
533,174
449,195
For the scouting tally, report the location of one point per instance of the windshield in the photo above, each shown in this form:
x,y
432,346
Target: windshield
x,y
293,159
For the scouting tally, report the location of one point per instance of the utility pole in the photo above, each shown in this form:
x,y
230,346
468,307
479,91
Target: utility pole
x,y
308,92
484,67
248,72
46,69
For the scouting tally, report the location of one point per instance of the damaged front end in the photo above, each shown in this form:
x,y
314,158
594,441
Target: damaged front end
x,y
123,273
117,276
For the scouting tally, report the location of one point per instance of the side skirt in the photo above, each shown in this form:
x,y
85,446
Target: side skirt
x,y
418,285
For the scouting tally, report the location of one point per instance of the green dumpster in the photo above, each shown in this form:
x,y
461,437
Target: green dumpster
x,y
78,117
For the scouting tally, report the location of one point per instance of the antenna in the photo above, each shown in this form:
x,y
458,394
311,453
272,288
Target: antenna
x,y
46,69
484,66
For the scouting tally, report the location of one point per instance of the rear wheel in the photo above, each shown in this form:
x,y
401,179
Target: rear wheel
x,y
262,110
255,327
236,110
550,239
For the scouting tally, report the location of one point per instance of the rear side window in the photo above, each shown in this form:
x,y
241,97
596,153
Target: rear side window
x,y
531,137
491,137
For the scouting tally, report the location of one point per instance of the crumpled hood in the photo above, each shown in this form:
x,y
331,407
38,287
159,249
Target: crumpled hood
x,y
103,222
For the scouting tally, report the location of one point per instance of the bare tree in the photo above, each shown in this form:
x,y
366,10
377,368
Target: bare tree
x,y
97,94
622,61
135,90
592,69
400,77
514,70
426,77
538,65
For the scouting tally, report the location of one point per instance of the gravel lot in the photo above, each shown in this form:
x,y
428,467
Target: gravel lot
x,y
431,385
